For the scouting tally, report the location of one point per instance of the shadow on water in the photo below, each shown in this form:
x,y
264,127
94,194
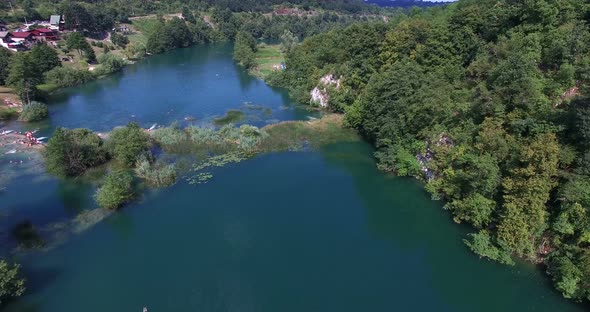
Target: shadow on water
x,y
400,211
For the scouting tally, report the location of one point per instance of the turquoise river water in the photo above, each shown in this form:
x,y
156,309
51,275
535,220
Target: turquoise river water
x,y
299,231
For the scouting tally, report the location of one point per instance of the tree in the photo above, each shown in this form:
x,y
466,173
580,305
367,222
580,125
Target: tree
x,y
288,41
72,152
126,144
45,57
244,49
116,190
11,282
24,76
188,15
5,60
76,41
119,40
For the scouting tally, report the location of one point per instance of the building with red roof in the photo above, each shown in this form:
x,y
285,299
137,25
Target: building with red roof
x,y
43,34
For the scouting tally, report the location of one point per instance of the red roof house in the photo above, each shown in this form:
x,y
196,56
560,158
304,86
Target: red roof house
x,y
44,34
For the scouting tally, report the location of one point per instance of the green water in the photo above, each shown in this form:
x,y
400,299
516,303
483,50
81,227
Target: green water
x,y
299,231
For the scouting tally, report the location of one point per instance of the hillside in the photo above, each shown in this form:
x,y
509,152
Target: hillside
x,y
487,102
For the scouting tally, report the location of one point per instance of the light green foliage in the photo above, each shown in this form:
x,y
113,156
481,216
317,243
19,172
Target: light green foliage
x,y
481,244
67,76
72,152
127,143
11,282
155,173
34,111
109,63
399,160
115,191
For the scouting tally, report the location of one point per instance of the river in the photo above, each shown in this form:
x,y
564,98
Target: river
x,y
299,231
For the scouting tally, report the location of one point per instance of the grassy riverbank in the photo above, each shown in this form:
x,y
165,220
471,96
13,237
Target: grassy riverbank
x,y
268,59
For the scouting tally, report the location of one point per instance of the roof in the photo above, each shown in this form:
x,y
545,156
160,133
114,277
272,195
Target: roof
x,y
43,30
20,34
3,34
55,19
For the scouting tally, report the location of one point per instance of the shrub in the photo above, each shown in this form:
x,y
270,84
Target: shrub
x,y
127,143
116,190
109,63
156,174
67,76
11,283
72,152
34,111
170,136
119,40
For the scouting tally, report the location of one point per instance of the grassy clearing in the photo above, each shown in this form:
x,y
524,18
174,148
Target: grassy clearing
x,y
268,58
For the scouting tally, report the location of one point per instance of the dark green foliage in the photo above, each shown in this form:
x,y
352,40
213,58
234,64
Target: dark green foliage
x,y
44,57
5,59
487,102
169,35
72,152
34,111
126,144
244,50
24,76
116,190
11,282
77,42
119,39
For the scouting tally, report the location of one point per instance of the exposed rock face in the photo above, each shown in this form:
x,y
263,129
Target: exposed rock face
x,y
320,94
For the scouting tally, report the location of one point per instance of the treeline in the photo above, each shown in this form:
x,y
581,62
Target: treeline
x,y
98,15
31,73
488,102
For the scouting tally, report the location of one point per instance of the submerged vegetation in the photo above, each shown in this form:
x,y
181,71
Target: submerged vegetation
x,y
231,116
116,190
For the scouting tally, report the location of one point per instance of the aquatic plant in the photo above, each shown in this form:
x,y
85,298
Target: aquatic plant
x,y
231,116
155,173
116,190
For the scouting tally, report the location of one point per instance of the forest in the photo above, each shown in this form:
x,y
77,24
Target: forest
x,y
488,103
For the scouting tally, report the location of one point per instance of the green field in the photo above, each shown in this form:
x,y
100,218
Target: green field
x,y
266,58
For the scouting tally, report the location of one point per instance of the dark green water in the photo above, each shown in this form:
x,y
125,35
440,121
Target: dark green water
x,y
307,231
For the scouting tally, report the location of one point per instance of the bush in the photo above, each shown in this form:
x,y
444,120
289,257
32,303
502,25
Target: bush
x,y
154,173
67,76
109,63
116,190
119,40
72,152
34,111
127,143
11,283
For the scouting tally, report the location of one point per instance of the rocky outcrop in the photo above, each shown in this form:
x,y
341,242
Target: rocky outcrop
x,y
320,95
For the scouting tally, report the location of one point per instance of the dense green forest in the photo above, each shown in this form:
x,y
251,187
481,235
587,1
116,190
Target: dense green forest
x,y
488,102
